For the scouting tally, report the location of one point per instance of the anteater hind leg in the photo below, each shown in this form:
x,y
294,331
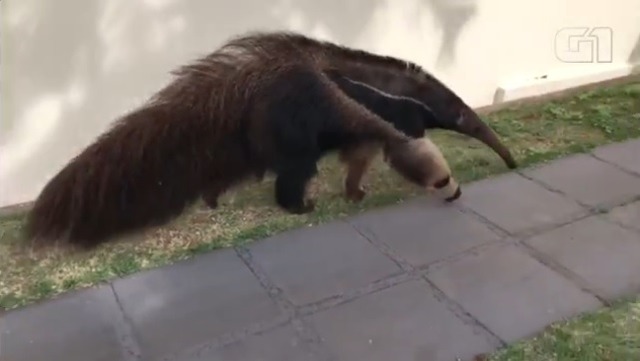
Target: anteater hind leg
x,y
217,188
358,159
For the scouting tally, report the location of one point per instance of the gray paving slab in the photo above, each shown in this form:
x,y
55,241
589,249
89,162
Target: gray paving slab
x,y
280,344
510,292
588,180
517,204
425,230
600,252
624,154
319,262
79,326
628,215
405,322
208,300
189,303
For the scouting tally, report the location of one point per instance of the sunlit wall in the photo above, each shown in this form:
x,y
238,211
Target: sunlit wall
x,y
69,67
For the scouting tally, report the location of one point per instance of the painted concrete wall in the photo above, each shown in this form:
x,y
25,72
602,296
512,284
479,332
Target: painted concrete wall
x,y
69,67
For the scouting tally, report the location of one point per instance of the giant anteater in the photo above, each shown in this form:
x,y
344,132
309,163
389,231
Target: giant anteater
x,y
261,102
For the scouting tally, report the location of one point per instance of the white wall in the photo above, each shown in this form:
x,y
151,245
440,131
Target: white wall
x,y
69,67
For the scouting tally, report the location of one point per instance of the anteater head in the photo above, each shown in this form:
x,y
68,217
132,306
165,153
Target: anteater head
x,y
449,111
421,162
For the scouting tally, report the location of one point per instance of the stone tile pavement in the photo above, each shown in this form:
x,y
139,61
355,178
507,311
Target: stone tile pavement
x,y
418,281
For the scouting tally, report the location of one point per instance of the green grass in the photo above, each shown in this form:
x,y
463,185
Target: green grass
x,y
609,334
534,133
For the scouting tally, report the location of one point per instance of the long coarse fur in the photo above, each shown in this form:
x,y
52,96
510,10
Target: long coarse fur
x,y
409,116
257,104
406,114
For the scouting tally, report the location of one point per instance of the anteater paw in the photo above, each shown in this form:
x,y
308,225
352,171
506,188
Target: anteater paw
x,y
212,203
355,195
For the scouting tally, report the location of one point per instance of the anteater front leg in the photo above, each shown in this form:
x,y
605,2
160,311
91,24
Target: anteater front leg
x,y
293,176
358,159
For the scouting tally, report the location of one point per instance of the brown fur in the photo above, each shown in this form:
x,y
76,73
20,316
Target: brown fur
x,y
243,110
389,74
357,159
421,162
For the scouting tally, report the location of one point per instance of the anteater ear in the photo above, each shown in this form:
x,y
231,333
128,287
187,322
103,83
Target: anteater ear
x,y
448,188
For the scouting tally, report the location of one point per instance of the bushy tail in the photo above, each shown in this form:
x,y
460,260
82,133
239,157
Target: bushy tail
x,y
143,172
